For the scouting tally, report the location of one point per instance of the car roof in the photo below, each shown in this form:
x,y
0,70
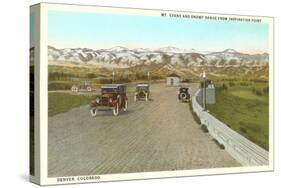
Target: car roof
x,y
112,85
142,85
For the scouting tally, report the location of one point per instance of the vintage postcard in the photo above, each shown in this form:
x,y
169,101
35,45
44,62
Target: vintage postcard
x,y
121,93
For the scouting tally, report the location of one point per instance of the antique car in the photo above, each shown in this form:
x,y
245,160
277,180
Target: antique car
x,y
142,92
84,86
183,94
113,97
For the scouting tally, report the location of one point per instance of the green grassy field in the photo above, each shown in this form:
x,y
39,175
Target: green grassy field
x,y
244,108
62,102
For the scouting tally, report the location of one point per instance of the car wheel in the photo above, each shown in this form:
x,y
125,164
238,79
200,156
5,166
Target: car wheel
x,y
116,110
119,101
74,89
146,97
183,97
89,89
93,112
125,106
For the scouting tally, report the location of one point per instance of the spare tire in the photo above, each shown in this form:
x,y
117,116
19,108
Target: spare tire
x,y
183,96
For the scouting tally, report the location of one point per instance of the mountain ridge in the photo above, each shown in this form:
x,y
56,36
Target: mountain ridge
x,y
123,57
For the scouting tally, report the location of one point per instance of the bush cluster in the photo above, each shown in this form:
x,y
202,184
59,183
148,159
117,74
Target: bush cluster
x,y
224,86
59,86
261,92
244,83
231,84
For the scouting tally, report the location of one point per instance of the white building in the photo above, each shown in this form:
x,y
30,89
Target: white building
x,y
173,80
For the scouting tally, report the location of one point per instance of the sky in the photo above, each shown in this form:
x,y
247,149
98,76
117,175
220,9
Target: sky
x,y
102,31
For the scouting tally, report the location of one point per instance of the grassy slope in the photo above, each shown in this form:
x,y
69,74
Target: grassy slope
x,y
244,112
61,102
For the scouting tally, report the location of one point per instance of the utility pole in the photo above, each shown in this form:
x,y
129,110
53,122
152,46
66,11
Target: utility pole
x,y
113,74
127,76
148,78
204,81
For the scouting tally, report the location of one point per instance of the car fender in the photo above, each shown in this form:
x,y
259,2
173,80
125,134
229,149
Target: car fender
x,y
114,102
93,104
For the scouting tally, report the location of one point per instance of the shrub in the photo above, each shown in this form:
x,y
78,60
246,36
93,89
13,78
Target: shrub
x,y
258,93
91,75
243,130
266,91
60,76
60,86
244,83
224,86
105,80
254,90
231,84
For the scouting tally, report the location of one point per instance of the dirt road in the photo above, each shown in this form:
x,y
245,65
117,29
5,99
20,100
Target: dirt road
x,y
158,135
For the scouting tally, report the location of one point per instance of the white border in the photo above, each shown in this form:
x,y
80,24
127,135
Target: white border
x,y
45,180
43,93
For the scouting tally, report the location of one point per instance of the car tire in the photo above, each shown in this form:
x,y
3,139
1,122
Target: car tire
x,y
183,97
93,112
116,110
89,89
125,106
74,89
119,101
146,97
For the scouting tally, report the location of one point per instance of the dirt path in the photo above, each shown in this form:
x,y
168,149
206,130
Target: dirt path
x,y
158,135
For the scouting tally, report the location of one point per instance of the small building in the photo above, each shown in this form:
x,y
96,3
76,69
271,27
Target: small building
x,y
173,80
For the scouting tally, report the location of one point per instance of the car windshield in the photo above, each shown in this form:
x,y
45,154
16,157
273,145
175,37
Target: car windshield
x,y
142,88
183,89
109,90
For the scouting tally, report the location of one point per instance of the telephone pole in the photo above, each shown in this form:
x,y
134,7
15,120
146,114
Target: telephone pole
x,y
113,74
204,89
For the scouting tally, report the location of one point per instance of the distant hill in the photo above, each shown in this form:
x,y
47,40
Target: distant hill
x,y
227,64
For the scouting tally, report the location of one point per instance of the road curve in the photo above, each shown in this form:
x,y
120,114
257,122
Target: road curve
x,y
158,135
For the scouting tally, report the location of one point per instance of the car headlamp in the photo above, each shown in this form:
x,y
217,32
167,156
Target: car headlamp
x,y
97,100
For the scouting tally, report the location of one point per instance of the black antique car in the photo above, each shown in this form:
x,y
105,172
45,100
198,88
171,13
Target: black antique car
x,y
183,94
142,92
113,97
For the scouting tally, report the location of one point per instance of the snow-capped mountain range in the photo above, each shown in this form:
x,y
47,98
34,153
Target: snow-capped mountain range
x,y
123,57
